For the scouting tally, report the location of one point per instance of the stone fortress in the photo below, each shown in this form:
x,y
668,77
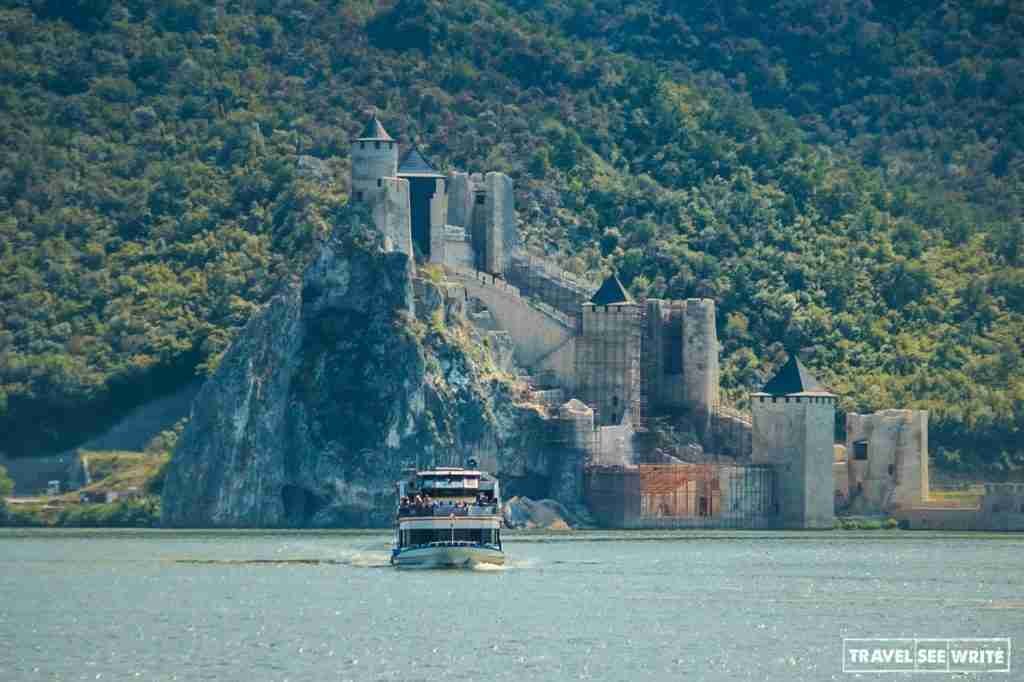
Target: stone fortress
x,y
610,371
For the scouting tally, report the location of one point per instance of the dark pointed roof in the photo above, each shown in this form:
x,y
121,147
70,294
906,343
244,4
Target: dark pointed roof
x,y
611,292
794,378
374,130
414,164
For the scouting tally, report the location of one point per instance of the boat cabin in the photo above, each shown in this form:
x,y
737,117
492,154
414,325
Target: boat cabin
x,y
450,506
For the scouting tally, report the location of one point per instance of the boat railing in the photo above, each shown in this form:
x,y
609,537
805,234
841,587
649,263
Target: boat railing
x,y
449,510
453,543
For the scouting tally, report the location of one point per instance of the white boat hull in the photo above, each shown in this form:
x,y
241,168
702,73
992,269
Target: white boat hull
x,y
447,557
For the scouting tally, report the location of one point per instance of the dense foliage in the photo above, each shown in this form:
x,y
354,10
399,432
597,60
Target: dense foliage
x,y
6,484
844,178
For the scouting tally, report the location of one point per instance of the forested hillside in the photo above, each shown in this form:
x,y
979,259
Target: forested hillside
x,y
844,178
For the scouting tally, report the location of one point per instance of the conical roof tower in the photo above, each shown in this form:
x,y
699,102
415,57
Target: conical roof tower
x,y
611,292
374,132
794,378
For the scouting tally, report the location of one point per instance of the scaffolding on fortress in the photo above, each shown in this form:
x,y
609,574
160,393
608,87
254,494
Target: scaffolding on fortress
x,y
608,365
543,279
682,496
730,432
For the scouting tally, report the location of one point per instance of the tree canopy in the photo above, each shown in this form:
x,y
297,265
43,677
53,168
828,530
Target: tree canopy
x,y
843,178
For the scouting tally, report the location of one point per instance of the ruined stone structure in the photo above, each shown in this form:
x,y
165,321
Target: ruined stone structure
x,y
682,370
794,422
1001,508
887,460
840,476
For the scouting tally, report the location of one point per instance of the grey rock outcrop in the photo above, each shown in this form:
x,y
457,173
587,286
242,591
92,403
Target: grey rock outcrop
x,y
329,391
524,513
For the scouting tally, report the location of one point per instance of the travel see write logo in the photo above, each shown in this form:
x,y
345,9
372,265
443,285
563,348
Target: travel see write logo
x,y
927,655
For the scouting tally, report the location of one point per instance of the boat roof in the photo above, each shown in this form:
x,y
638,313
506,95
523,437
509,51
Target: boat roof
x,y
450,471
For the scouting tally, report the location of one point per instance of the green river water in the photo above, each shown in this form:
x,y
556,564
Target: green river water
x,y
721,605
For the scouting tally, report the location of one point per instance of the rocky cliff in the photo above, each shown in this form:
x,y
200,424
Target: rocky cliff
x,y
335,386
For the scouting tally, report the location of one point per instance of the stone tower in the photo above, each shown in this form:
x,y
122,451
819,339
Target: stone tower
x,y
375,182
794,423
682,367
608,355
374,157
700,357
887,459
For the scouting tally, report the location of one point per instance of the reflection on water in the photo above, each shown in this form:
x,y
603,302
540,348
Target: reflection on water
x,y
77,605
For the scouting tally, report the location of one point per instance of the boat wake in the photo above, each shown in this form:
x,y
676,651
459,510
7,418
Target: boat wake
x,y
357,557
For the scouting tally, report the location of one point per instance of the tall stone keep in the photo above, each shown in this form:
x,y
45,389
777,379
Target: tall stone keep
x,y
374,157
375,181
700,356
794,423
460,200
607,355
491,219
681,370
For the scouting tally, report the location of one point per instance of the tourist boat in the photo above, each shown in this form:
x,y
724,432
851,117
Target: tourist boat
x,y
447,517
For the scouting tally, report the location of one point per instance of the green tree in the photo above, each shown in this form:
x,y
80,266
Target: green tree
x,y
6,484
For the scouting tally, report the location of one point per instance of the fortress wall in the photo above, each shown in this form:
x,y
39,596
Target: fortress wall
x,y
1002,508
896,471
478,228
614,446
460,200
499,222
840,471
732,433
666,387
613,495
933,518
576,436
392,214
578,425
540,279
458,251
543,340
438,219
681,496
700,355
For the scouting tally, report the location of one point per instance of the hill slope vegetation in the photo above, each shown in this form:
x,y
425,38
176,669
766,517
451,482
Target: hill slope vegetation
x,y
844,178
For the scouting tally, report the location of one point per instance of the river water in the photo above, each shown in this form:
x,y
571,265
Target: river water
x,y
724,605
